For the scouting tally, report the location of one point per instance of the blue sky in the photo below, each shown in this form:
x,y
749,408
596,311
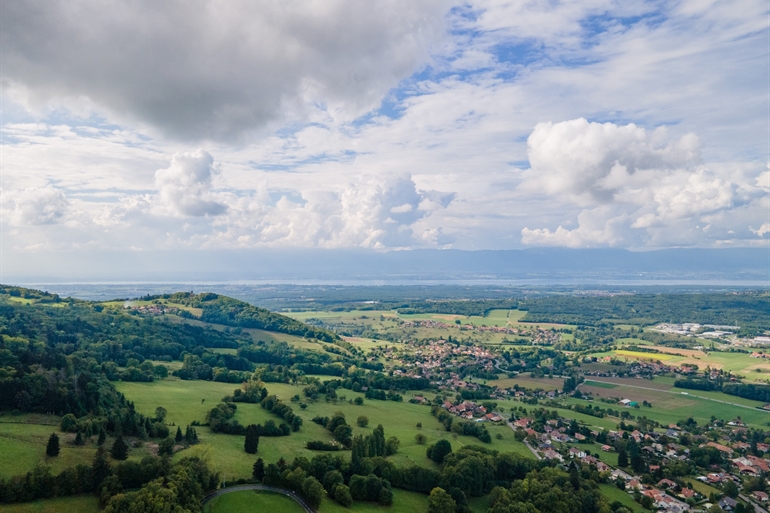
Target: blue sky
x,y
384,125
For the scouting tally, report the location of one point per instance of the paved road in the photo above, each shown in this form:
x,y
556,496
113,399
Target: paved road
x,y
510,425
757,508
686,394
264,488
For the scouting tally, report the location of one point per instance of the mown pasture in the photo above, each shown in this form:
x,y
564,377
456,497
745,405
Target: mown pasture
x,y
184,401
670,404
530,383
751,369
23,441
78,503
251,501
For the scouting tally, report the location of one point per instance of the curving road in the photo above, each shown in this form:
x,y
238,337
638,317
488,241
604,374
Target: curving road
x,y
258,487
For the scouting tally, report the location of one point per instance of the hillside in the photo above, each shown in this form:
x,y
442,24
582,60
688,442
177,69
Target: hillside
x,y
218,309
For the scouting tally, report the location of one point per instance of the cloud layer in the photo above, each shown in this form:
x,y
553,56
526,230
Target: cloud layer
x,y
387,125
636,188
214,71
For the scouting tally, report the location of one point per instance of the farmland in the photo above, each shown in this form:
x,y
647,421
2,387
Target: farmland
x,y
189,401
481,384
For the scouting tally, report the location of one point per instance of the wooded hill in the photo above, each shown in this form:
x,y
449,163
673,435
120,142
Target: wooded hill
x,y
225,310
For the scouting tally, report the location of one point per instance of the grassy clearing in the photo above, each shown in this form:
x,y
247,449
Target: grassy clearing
x,y
183,401
702,488
22,447
752,369
80,503
588,382
613,493
403,502
479,504
252,501
23,439
525,381
644,356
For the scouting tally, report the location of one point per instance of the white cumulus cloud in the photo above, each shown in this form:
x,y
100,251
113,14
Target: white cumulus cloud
x,y
36,206
635,188
185,186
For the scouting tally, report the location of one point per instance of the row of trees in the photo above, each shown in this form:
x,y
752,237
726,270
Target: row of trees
x,y
470,472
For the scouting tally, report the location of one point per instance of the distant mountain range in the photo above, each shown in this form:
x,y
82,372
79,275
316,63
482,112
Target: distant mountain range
x,y
538,265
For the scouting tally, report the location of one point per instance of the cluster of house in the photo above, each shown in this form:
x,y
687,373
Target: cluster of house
x,y
472,411
666,495
152,309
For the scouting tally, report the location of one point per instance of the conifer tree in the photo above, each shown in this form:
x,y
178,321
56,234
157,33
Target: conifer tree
x,y
179,436
622,458
52,449
102,437
119,449
252,439
258,472
101,468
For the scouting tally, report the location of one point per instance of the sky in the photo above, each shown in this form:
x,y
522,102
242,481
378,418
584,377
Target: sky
x,y
384,125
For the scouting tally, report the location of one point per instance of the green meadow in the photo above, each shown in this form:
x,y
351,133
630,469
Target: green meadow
x,y
751,369
78,503
187,401
403,502
252,501
613,493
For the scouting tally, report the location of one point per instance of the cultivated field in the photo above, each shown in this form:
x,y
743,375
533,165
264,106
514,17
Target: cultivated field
x,y
524,380
752,369
670,404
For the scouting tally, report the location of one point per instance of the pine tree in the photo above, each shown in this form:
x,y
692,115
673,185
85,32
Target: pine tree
x,y
101,468
259,469
119,449
622,458
79,439
252,439
52,449
379,441
190,436
102,437
179,436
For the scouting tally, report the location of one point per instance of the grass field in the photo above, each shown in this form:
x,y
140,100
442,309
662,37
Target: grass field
x,y
184,402
752,369
79,504
252,501
23,440
523,380
403,502
383,321
671,404
598,384
613,493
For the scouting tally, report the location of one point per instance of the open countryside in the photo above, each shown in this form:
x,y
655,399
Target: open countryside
x,y
339,403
